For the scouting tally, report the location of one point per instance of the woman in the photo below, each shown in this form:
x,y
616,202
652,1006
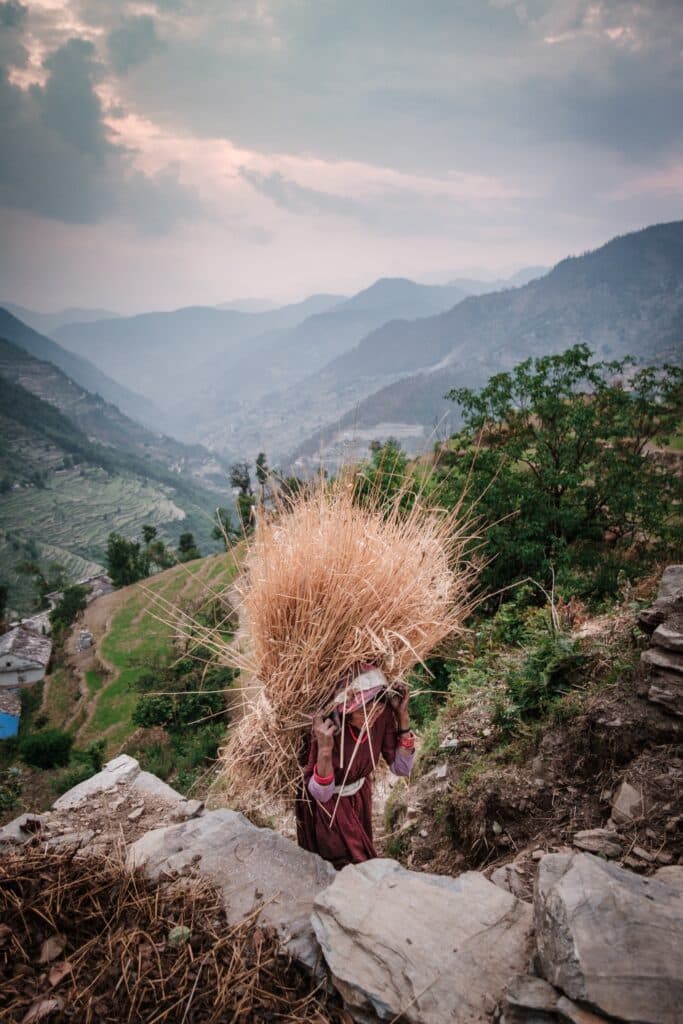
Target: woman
x,y
334,813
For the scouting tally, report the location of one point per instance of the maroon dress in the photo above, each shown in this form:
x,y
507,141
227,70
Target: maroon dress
x,y
340,830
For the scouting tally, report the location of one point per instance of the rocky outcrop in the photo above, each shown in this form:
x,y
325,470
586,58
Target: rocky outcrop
x,y
605,943
663,661
257,870
423,947
610,939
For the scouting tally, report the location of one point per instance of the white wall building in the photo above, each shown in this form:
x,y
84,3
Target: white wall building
x,y
24,657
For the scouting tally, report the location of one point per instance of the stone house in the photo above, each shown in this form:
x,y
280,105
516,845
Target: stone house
x,y
24,657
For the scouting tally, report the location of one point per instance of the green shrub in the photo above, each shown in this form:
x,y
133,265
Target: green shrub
x,y
10,788
548,670
63,781
50,748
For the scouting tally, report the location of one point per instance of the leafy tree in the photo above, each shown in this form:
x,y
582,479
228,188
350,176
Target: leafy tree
x,y
385,475
125,560
187,549
557,451
149,533
45,581
68,608
240,477
225,528
262,470
159,554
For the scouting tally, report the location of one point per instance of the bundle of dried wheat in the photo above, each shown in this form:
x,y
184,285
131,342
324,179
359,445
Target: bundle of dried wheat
x,y
329,583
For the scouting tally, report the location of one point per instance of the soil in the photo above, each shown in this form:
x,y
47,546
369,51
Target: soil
x,y
479,805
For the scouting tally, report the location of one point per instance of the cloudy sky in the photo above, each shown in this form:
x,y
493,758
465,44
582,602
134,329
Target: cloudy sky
x,y
156,154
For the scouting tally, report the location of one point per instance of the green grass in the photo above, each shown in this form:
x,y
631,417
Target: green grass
x,y
94,681
137,640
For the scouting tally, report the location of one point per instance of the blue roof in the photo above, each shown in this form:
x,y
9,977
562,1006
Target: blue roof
x,y
9,725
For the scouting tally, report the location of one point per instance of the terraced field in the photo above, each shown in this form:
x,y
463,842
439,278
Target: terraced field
x,y
77,511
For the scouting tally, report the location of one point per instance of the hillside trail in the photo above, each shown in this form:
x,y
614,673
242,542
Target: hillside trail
x,y
97,618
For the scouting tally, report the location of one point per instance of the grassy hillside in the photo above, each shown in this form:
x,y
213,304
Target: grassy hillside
x,y
92,694
131,640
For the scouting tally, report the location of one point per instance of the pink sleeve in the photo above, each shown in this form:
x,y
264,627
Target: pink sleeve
x,y
319,792
403,761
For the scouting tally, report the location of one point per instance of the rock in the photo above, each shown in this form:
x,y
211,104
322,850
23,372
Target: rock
x,y
668,599
643,854
251,866
538,854
666,689
658,659
188,809
439,773
529,993
627,804
510,880
669,637
671,584
22,829
449,743
569,1011
610,938
429,948
70,842
136,813
671,875
121,770
599,840
147,785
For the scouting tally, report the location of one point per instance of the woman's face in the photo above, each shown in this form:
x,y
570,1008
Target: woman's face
x,y
368,714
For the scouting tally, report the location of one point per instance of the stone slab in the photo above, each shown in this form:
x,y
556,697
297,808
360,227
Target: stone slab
x,y
609,938
253,867
429,948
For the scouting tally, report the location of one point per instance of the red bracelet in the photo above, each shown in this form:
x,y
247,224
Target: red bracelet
x,y
320,780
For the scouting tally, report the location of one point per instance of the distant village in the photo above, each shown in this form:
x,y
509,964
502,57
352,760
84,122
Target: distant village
x,y
26,649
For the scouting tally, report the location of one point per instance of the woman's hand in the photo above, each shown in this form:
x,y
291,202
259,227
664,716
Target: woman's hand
x,y
323,733
324,730
399,702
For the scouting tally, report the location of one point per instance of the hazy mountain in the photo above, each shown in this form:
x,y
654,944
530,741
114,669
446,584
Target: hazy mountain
x,y
80,370
169,356
624,298
396,298
46,323
225,414
249,305
474,285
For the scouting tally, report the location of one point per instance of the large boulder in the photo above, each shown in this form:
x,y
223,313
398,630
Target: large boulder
x,y
124,775
609,938
253,867
425,947
122,770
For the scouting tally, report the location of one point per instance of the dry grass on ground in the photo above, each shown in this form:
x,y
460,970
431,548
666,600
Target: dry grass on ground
x,y
89,940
